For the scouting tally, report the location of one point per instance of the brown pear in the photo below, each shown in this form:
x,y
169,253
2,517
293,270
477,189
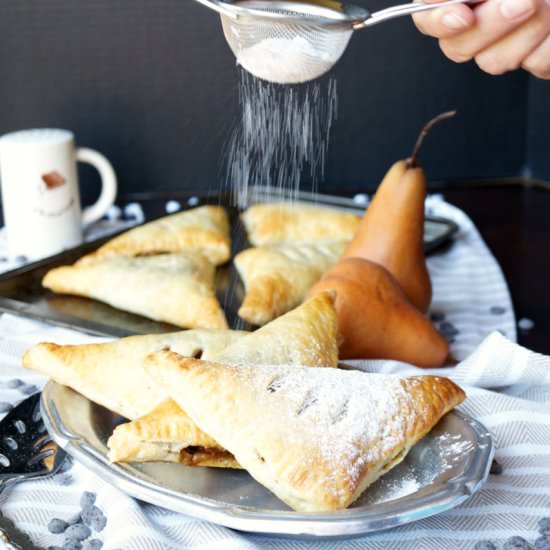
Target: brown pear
x,y
375,318
392,229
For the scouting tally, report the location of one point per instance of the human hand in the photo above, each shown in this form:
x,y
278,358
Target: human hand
x,y
501,35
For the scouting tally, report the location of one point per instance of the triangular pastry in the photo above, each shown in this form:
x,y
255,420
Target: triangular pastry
x,y
204,229
276,222
175,288
112,374
277,277
305,336
314,437
167,434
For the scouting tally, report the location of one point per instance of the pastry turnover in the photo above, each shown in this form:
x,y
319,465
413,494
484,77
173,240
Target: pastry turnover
x,y
167,434
175,288
276,222
277,277
112,374
305,336
204,229
314,437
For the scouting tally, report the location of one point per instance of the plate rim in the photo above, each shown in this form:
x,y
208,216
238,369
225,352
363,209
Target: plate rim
x,y
343,523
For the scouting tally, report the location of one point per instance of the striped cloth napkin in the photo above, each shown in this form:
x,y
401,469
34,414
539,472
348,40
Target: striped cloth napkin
x,y
508,390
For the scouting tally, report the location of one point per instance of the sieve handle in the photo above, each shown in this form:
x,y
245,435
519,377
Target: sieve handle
x,y
218,6
406,9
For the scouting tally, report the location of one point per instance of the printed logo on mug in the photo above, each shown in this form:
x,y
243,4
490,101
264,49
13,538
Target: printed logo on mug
x,y
40,191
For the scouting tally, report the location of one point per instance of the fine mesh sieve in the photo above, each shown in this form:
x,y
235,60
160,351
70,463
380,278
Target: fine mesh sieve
x,y
287,41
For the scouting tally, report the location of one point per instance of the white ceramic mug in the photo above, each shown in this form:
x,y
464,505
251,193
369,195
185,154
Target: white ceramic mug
x,y
40,191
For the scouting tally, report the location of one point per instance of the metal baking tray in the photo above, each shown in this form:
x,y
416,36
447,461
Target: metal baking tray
x,y
21,292
440,472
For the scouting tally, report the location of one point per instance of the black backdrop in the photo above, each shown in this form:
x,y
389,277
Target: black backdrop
x,y
152,84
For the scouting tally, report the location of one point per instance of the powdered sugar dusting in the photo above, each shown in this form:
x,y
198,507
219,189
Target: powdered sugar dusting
x,y
287,60
403,483
452,449
445,452
345,419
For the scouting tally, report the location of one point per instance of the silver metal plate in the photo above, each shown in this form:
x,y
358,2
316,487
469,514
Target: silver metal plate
x,y
440,472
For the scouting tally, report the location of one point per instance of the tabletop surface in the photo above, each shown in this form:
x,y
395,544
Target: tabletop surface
x,y
514,221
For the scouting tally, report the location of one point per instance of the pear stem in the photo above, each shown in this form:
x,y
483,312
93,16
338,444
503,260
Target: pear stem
x,y
412,161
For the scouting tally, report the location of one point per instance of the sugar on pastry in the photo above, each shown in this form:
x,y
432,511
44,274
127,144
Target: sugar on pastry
x,y
316,438
277,277
174,288
203,229
272,223
305,336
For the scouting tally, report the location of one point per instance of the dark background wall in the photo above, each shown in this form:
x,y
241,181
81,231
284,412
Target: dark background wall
x,y
538,141
152,84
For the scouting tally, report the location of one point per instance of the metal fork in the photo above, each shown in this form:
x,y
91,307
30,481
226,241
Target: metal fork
x,y
26,452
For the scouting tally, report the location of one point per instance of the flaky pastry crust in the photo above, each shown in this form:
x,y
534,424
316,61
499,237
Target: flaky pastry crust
x,y
304,336
112,374
174,288
315,437
277,277
204,229
277,222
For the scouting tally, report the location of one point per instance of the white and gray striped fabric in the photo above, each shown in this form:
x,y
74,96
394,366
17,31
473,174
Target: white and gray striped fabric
x,y
508,388
470,295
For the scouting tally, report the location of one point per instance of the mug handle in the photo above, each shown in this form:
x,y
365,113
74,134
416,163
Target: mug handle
x,y
107,197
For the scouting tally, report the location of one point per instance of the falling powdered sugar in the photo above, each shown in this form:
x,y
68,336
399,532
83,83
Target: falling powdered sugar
x,y
281,137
